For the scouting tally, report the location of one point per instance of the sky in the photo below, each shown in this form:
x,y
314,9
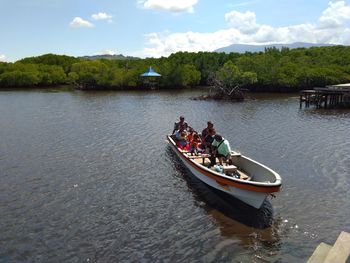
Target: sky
x,y
155,28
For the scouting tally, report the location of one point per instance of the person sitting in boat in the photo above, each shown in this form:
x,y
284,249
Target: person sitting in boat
x,y
195,144
182,122
190,134
181,138
205,131
221,148
208,140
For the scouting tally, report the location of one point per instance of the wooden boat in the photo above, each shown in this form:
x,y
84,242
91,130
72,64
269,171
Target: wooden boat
x,y
245,179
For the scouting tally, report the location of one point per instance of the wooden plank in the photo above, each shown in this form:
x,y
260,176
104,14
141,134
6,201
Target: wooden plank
x,y
229,168
341,250
198,156
320,253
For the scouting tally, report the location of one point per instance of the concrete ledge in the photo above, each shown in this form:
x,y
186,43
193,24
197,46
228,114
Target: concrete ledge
x,y
320,253
341,250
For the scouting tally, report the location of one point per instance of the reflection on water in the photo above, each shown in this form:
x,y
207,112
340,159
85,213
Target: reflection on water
x,y
88,177
334,113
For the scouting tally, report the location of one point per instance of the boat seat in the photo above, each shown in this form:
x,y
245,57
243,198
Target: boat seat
x,y
198,156
229,168
235,154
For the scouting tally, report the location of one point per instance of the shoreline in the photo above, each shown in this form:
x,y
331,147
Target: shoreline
x,y
139,88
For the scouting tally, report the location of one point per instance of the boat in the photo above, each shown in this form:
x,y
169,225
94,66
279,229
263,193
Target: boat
x,y
243,178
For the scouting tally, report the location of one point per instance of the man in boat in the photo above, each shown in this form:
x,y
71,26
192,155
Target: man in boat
x,y
221,149
182,122
205,131
208,139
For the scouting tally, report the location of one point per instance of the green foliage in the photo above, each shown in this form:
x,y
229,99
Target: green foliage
x,y
51,75
90,73
73,78
231,76
51,59
3,67
19,79
189,75
274,69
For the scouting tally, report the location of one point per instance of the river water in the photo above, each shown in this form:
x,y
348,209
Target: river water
x,y
89,177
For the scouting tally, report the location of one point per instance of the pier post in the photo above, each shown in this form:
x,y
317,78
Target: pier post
x,y
324,98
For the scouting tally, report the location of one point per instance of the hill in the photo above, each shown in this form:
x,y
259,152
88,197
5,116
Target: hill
x,y
242,48
110,57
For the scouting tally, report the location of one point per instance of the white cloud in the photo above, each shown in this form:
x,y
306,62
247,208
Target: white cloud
x,y
2,58
176,6
102,16
245,22
335,15
106,52
332,27
243,3
79,22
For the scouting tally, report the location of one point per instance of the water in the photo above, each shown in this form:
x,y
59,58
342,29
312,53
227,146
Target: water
x,y
88,177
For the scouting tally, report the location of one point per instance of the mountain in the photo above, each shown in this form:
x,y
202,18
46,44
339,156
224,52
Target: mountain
x,y
110,57
241,48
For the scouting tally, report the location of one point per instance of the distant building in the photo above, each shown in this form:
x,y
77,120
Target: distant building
x,y
150,78
340,86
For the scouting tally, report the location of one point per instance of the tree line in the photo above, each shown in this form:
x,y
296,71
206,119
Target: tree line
x,y
272,70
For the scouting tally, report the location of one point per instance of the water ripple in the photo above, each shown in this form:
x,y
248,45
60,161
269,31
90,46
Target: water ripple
x,y
88,177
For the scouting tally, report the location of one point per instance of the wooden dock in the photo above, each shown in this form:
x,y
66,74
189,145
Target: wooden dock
x,y
328,98
338,253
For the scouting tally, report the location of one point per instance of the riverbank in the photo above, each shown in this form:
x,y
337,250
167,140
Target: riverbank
x,y
205,89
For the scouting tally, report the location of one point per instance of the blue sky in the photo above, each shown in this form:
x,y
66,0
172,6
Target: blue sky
x,y
153,28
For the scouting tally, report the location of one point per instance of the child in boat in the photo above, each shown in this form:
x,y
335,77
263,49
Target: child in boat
x,y
190,135
195,144
182,140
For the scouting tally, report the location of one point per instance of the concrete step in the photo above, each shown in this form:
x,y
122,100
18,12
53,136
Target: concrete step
x,y
320,253
340,252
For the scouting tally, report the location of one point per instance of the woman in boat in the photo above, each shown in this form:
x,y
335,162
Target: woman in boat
x,y
221,149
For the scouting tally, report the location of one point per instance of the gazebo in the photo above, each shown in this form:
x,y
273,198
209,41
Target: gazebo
x,y
150,77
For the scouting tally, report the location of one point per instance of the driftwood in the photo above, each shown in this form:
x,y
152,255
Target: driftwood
x,y
219,91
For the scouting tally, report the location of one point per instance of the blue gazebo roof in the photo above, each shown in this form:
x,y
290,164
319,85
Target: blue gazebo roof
x,y
150,73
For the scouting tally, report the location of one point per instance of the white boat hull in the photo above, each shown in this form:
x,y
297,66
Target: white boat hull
x,y
250,197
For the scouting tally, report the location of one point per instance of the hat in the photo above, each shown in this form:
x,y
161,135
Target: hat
x,y
218,137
